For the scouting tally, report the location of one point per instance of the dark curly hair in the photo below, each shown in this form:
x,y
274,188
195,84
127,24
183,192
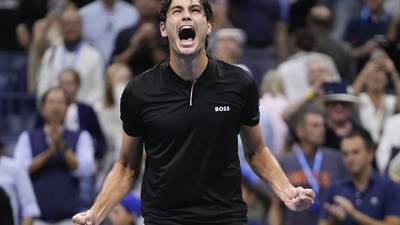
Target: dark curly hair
x,y
166,3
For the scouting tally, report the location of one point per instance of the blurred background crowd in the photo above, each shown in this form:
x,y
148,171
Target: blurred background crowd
x,y
326,71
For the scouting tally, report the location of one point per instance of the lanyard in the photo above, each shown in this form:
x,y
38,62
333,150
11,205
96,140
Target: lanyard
x,y
307,170
75,53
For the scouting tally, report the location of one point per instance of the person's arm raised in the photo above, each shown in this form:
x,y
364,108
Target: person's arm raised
x,y
117,184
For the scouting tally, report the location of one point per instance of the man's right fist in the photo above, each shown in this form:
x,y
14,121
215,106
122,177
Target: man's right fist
x,y
84,218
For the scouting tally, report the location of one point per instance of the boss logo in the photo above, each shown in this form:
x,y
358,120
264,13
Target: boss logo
x,y
222,109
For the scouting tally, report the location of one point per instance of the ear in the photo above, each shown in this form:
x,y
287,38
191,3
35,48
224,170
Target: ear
x,y
209,27
163,30
298,130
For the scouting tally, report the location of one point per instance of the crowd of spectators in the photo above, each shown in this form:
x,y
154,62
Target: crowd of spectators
x,y
328,78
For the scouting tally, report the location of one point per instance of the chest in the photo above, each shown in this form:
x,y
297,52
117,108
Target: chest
x,y
196,105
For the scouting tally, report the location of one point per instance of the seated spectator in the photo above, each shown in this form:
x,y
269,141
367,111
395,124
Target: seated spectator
x,y
339,105
111,16
365,197
375,106
81,116
228,46
127,212
73,53
308,165
294,71
389,145
141,45
108,111
17,200
364,33
56,159
320,70
272,103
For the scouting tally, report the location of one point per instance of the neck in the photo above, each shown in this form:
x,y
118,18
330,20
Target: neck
x,y
109,4
361,179
376,96
308,149
189,67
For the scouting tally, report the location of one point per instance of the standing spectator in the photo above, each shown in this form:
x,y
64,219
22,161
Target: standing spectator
x,y
56,158
375,105
73,53
310,165
320,21
365,197
140,45
16,188
365,32
264,22
103,19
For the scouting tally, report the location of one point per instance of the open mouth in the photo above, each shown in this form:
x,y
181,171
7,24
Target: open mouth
x,y
187,33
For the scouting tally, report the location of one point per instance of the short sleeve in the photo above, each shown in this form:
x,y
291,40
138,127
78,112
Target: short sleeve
x,y
251,113
130,111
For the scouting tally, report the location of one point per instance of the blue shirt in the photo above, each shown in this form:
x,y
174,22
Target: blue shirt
x,y
101,26
381,198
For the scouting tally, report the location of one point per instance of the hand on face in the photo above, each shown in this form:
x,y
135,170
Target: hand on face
x,y
299,199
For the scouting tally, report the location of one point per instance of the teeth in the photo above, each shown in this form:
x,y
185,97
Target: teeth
x,y
186,27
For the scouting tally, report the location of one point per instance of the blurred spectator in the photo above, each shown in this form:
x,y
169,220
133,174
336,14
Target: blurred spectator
x,y
127,212
56,158
389,146
298,11
272,103
264,22
365,197
366,32
103,19
339,106
294,70
228,46
16,188
79,115
394,169
320,22
73,53
108,111
221,18
141,45
308,165
8,23
29,11
320,70
375,105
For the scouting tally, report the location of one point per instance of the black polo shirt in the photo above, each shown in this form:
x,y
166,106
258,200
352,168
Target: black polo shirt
x,y
190,129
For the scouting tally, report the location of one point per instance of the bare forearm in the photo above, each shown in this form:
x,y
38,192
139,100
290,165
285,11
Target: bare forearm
x,y
70,159
267,167
281,40
39,160
27,221
117,184
275,212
